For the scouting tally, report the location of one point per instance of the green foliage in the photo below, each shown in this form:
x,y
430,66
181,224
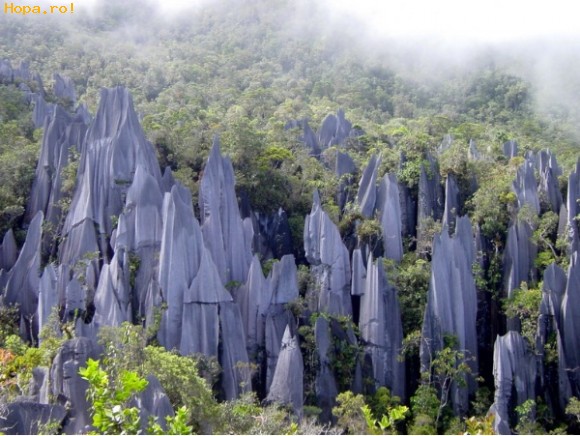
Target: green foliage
x,y
109,404
573,408
524,304
349,412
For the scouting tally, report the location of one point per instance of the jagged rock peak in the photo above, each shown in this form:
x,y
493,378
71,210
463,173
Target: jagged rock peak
x,y
286,387
514,371
452,303
367,190
381,328
222,226
329,260
391,218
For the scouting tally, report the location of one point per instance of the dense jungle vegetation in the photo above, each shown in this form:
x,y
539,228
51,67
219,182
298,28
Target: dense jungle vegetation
x,y
242,70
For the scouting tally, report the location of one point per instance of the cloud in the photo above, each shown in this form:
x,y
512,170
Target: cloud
x,y
483,21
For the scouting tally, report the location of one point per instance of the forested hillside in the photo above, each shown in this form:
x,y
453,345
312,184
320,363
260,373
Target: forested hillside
x,y
260,217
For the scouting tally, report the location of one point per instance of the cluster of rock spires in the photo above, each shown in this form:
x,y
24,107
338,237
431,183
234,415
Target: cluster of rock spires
x,y
132,245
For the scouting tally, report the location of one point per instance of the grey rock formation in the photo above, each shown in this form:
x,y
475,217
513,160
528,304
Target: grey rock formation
x,y
153,402
473,153
325,384
452,303
64,88
390,215
430,201
222,226
233,358
525,186
8,251
29,418
570,324
200,324
549,186
573,210
329,260
359,273
367,190
63,135
272,234
249,297
510,149
24,278
381,329
179,259
519,256
113,148
452,209
287,383
66,383
514,371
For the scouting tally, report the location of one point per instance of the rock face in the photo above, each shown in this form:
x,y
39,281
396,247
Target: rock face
x,y
549,187
326,387
381,329
67,383
514,371
519,255
510,149
29,418
334,130
329,260
525,186
367,190
222,226
430,202
390,213
286,387
570,324
452,303
572,210
22,281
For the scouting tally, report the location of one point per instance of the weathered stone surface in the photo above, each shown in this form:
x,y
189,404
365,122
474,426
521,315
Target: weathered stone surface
x,y
510,149
359,273
329,260
222,226
287,383
248,298
570,324
519,256
66,382
28,417
179,259
63,135
8,251
549,187
525,186
452,209
283,281
325,385
381,328
233,358
514,369
272,234
113,148
473,153
573,210
24,277
430,201
452,303
367,190
64,88
153,402
200,324
390,215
